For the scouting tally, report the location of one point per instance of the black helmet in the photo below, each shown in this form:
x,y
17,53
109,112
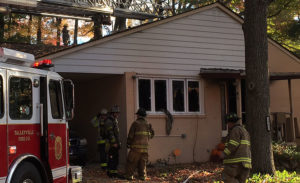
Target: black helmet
x,y
141,112
231,117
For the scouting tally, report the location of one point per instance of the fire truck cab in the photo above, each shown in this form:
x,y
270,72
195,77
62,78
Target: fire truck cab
x,y
35,106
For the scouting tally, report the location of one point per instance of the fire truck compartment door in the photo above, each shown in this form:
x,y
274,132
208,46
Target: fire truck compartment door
x,y
23,114
57,131
3,132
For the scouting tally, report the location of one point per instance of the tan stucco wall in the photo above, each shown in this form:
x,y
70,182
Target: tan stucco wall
x,y
90,97
280,61
193,147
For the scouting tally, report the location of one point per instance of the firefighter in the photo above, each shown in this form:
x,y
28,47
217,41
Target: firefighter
x,y
112,134
99,123
139,134
237,153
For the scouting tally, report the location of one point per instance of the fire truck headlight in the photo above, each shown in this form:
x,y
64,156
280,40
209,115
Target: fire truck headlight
x,y
83,142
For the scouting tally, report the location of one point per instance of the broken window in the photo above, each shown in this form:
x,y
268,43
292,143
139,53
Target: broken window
x,y
178,96
160,95
175,95
144,86
193,95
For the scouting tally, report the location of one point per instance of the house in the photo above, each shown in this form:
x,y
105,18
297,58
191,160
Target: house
x,y
191,64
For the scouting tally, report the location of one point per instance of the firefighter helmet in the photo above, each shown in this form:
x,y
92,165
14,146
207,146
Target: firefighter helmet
x,y
141,112
115,109
231,117
103,111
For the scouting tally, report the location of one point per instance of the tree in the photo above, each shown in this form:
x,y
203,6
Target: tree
x,y
284,23
58,31
120,23
97,26
2,27
39,30
75,31
257,84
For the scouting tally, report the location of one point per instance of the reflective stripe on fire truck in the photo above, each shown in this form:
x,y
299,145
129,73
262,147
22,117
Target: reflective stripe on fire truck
x,y
2,179
59,172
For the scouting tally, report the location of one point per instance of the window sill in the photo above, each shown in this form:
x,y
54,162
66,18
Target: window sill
x,y
177,115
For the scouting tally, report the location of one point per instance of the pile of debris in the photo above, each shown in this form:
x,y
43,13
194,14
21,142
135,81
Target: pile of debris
x,y
197,172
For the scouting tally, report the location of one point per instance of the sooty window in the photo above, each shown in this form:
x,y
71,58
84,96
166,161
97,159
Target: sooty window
x,y
160,87
145,94
176,95
193,96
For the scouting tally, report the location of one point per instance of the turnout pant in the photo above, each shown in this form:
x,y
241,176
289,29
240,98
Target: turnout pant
x,y
113,160
235,173
135,160
103,155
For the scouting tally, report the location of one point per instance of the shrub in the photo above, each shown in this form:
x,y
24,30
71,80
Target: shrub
x,y
286,151
278,177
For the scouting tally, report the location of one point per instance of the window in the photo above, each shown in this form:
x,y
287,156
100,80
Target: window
x,y
145,94
160,94
178,96
1,98
20,98
69,99
56,99
175,95
193,96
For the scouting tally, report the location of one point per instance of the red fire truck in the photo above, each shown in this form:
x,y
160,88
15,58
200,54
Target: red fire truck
x,y
35,105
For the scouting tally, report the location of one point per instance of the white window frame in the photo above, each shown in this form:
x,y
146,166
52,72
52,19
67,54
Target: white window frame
x,y
169,94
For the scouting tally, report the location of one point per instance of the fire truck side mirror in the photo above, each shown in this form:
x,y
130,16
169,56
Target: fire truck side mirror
x,y
69,98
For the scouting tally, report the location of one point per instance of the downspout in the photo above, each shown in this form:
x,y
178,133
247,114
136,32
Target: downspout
x,y
291,110
196,138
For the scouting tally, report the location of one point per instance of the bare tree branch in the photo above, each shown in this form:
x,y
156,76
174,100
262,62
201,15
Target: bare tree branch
x,y
279,11
226,1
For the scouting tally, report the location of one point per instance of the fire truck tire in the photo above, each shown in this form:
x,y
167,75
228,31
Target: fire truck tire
x,y
27,173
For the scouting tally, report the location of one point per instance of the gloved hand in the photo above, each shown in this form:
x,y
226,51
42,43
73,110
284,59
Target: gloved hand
x,y
151,131
222,155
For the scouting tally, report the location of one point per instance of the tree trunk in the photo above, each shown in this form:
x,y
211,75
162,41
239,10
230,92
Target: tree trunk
x,y
39,31
58,23
97,26
120,24
29,29
76,32
173,7
9,25
257,85
2,27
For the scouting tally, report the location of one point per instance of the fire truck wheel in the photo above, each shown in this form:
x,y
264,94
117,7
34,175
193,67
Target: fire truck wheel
x,y
27,173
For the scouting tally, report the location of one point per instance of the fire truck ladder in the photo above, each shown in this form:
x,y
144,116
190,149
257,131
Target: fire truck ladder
x,y
139,9
85,9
